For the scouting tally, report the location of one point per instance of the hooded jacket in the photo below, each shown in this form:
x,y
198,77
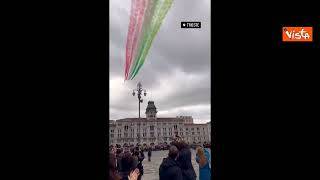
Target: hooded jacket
x,y
169,169
184,160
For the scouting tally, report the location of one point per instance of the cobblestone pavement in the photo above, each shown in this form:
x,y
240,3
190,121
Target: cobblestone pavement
x,y
151,169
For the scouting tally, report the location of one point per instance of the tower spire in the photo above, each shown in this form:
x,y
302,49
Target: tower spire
x,y
151,111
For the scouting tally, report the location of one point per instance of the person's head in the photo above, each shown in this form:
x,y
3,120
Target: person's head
x,y
175,143
128,162
180,145
118,151
202,157
136,153
126,149
173,152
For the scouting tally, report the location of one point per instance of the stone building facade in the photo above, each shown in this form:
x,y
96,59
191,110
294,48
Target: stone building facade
x,y
152,130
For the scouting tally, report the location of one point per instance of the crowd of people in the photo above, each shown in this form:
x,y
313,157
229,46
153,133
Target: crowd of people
x,y
126,163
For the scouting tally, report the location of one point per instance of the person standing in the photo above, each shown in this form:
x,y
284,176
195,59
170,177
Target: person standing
x,y
139,157
119,155
207,153
204,168
149,154
113,174
169,168
184,161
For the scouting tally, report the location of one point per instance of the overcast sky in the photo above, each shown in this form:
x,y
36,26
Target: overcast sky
x,y
176,73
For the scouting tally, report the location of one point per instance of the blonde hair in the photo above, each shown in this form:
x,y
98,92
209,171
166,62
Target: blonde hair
x,y
202,157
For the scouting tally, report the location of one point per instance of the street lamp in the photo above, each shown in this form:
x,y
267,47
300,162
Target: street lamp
x,y
139,91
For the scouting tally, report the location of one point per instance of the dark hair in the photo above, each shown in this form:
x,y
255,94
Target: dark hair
x,y
113,168
180,145
173,152
136,153
118,151
185,156
128,162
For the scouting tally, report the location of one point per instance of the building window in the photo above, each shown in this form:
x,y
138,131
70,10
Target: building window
x,y
198,133
192,133
187,129
152,134
181,133
181,129
192,129
170,129
175,127
111,135
151,128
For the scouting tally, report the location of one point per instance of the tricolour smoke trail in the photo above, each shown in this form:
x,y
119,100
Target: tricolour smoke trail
x,y
142,4
146,30
145,21
162,7
131,27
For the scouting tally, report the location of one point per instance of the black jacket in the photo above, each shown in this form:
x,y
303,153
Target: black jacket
x,y
119,165
140,158
169,169
184,161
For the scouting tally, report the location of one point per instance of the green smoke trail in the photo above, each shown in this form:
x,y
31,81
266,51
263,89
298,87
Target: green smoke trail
x,y
146,29
161,9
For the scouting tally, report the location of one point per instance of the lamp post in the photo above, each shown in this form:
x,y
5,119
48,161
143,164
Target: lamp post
x,y
139,91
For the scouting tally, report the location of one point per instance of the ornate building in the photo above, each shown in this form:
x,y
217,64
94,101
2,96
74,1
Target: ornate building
x,y
153,130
